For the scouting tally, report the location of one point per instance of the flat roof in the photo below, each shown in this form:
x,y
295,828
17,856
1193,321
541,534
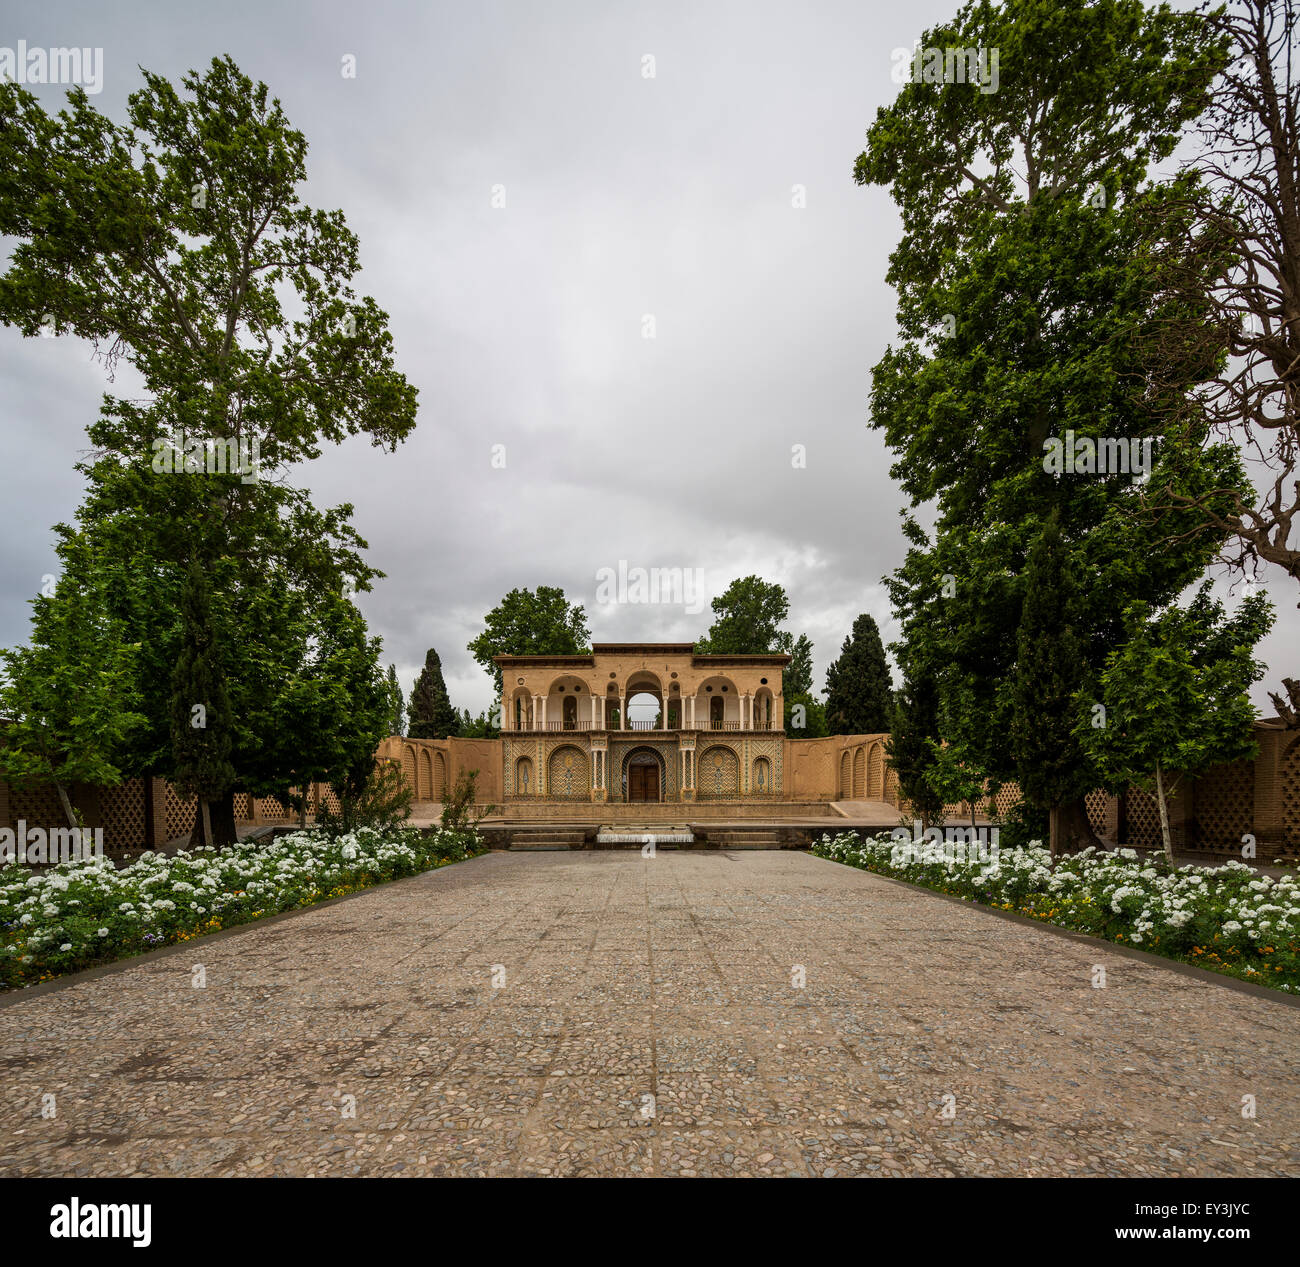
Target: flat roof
x,y
588,659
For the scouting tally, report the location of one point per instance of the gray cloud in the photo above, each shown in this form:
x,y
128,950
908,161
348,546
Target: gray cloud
x,y
522,326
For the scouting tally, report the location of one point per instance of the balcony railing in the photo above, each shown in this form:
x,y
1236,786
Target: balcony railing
x,y
585,726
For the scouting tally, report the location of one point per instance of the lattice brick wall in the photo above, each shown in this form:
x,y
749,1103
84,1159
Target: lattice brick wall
x,y
1007,799
1291,794
1225,805
1143,818
178,813
1096,803
122,814
37,806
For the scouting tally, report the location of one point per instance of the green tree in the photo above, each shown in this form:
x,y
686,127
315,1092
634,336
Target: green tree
x,y
528,623
201,715
1175,696
397,703
69,700
1051,767
484,726
805,717
1031,278
859,690
911,746
746,620
178,240
955,778
432,716
797,676
329,696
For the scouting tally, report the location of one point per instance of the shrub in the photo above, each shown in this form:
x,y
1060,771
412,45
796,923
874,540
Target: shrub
x,y
1229,919
86,912
458,808
381,801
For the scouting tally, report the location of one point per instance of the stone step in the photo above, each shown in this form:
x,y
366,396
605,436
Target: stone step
x,y
745,840
558,838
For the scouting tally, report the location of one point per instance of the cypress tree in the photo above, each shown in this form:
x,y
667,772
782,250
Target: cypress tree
x,y
858,687
1052,769
398,719
432,716
914,732
200,710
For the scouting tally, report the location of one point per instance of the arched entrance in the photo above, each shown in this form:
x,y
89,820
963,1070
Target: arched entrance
x,y
644,711
643,777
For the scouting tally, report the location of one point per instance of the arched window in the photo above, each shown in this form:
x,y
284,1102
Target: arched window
x,y
643,712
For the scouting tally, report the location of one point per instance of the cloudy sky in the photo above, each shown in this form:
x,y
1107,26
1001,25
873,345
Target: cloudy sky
x,y
626,197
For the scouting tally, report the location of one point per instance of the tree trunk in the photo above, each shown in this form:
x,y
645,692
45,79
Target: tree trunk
x,y
223,820
1164,817
1054,831
214,822
1071,829
70,813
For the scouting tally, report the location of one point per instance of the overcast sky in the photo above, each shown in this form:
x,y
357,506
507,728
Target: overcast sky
x,y
522,325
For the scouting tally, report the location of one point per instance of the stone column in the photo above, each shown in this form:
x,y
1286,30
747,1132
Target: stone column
x,y
622,712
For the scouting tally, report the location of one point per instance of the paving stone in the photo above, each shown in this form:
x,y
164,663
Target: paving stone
x,y
597,1014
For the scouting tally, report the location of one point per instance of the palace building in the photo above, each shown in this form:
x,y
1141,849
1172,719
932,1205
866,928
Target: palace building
x,y
642,723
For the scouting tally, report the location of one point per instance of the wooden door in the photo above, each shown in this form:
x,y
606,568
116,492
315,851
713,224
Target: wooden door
x,y
643,783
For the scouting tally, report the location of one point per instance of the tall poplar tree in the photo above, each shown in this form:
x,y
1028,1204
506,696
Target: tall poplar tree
x,y
178,240
1030,281
397,703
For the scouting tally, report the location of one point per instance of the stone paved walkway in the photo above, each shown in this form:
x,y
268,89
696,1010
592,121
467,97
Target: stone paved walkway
x,y
647,1024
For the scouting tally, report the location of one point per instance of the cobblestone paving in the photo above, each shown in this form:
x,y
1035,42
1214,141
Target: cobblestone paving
x,y
647,1021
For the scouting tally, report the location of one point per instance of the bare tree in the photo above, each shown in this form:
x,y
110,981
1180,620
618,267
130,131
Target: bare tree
x,y
1242,253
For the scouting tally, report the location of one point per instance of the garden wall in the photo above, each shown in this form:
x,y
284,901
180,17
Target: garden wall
x,y
140,813
1208,815
432,766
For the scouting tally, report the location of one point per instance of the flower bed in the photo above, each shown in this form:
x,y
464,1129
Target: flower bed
x,y
83,913
1228,919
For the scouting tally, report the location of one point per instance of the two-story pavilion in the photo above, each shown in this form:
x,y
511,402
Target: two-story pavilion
x,y
642,722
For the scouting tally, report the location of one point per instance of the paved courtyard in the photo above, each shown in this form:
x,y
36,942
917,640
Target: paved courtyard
x,y
601,1013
